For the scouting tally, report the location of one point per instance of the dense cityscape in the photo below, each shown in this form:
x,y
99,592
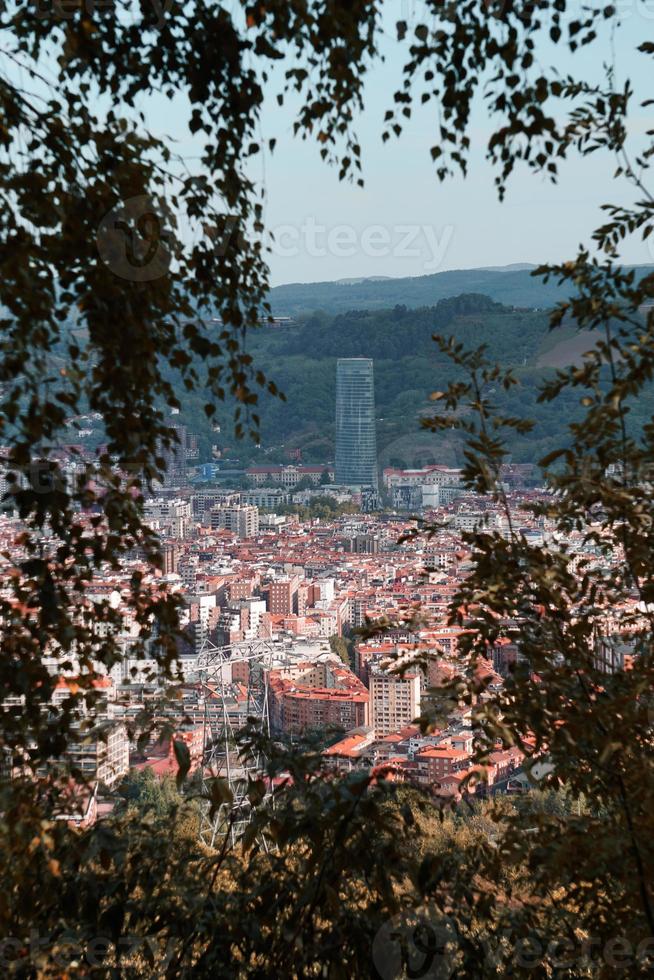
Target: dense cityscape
x,y
336,627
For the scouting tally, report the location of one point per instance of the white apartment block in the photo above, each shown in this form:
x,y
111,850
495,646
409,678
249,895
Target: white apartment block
x,y
242,520
101,754
474,520
268,498
170,516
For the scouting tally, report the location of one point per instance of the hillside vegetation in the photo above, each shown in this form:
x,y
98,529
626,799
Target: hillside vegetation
x,y
302,358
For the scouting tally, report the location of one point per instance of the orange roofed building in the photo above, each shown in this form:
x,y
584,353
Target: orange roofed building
x,y
316,695
351,751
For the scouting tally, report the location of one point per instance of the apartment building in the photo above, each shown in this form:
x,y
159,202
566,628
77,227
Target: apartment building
x,y
171,517
268,498
432,764
282,596
312,695
469,521
394,700
242,520
101,754
203,502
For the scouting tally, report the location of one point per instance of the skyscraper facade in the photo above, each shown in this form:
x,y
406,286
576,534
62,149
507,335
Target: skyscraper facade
x,y
356,440
174,456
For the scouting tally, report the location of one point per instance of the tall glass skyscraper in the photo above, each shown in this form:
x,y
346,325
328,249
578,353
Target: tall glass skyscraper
x,y
356,439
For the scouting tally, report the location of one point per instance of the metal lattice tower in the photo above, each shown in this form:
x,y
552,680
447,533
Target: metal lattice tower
x,y
227,710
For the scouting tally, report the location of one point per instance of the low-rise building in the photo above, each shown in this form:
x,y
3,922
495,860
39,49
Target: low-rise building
x,y
288,476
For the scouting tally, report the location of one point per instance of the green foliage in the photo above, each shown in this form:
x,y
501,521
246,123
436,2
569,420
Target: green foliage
x,y
142,792
344,648
318,508
304,484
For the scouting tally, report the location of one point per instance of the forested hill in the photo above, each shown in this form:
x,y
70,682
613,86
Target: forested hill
x,y
512,286
401,332
408,367
301,358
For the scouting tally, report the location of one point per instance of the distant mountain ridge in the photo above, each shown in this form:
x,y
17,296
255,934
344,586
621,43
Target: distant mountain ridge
x,y
512,285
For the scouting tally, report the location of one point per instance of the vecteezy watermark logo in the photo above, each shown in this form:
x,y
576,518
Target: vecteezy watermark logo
x,y
418,943
131,241
317,240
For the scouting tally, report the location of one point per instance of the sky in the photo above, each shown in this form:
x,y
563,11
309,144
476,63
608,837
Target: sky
x,y
404,222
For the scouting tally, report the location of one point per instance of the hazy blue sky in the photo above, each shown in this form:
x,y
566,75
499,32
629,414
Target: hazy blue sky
x,y
404,223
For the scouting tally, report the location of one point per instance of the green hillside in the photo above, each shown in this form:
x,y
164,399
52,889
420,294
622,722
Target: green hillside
x,y
302,358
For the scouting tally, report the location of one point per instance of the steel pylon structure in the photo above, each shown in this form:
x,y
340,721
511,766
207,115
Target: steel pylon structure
x,y
233,681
